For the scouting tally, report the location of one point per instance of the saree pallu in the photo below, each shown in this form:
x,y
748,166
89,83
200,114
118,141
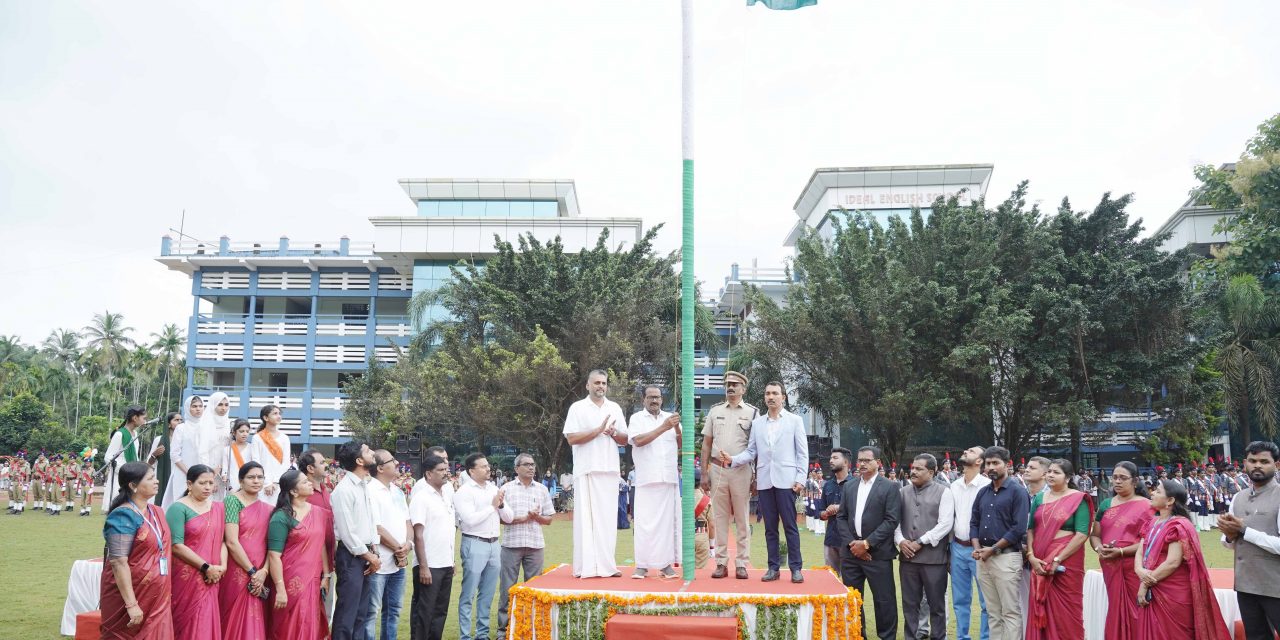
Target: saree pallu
x,y
151,589
244,615
1122,526
195,604
1182,604
302,617
1057,601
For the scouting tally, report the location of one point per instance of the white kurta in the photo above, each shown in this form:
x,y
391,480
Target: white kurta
x,y
230,468
116,446
595,485
656,519
271,468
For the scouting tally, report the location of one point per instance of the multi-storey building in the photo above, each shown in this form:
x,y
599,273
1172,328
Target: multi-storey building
x,y
291,323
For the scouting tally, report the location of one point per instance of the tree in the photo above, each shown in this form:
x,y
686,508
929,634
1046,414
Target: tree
x,y
1005,320
19,417
168,346
1249,357
62,346
1251,190
107,338
527,326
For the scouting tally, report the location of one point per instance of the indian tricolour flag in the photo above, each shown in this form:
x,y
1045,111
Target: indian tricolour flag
x,y
783,5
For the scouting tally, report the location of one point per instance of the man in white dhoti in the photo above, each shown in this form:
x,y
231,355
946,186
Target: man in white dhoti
x,y
655,439
595,427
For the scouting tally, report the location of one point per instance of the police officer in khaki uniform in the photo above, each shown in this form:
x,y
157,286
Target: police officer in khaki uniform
x,y
727,427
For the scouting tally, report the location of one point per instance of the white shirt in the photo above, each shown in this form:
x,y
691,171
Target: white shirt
x,y
430,509
946,517
654,462
271,468
962,497
421,485
352,515
864,490
476,515
600,454
391,513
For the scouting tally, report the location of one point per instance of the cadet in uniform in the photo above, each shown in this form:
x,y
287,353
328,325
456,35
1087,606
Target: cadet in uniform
x,y
69,474
53,485
727,427
37,482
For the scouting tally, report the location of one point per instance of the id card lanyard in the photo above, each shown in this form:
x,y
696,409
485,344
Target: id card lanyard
x,y
155,528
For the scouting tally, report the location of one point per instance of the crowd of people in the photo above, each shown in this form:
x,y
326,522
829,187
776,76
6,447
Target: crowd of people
x,y
253,542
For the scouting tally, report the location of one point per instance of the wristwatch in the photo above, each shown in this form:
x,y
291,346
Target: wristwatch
x,y
1057,560
252,570
204,567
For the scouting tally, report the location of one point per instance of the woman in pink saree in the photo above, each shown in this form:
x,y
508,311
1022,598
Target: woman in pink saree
x,y
1056,532
243,609
196,525
298,561
1175,599
135,601
1120,523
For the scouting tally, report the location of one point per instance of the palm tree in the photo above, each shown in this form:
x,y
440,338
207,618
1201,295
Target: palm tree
x,y
63,347
108,338
168,347
1249,358
11,349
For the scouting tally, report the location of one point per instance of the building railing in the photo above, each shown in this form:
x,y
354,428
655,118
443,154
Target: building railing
x,y
299,324
184,246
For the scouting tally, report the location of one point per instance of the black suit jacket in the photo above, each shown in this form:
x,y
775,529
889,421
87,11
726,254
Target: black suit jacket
x,y
880,516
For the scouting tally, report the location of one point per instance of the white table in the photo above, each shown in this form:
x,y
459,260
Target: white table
x,y
1095,606
83,590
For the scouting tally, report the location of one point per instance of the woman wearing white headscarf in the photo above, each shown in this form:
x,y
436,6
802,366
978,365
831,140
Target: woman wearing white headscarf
x,y
186,449
215,435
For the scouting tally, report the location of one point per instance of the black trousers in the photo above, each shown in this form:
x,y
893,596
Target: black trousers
x,y
780,504
351,609
879,574
930,581
1260,614
430,606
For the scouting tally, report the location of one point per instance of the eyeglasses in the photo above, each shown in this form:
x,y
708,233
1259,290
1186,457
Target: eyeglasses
x,y
1120,478
525,464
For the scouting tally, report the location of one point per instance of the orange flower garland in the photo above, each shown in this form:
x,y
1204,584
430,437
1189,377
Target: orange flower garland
x,y
532,609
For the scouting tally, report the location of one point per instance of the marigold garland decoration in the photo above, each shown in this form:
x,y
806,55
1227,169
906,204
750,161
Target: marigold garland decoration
x,y
532,610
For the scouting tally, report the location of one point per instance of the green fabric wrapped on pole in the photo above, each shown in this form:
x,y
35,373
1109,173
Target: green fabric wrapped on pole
x,y
784,5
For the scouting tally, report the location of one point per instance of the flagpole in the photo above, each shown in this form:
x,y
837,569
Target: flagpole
x,y
686,289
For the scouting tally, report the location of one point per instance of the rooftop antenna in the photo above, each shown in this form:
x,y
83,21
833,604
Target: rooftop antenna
x,y
181,231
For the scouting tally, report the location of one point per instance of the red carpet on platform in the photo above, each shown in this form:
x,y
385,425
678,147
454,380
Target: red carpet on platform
x,y
816,582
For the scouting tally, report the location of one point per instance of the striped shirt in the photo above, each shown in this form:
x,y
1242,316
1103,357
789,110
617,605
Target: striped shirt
x,y
521,500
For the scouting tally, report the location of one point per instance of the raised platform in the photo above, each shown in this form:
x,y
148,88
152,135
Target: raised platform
x,y
557,606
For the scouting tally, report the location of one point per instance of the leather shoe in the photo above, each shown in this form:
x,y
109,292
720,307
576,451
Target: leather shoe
x,y
741,573
770,576
797,576
720,572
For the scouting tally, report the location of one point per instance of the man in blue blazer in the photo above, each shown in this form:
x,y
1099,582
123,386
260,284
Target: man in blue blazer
x,y
780,449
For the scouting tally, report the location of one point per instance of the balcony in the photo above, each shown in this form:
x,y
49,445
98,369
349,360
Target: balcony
x,y
392,326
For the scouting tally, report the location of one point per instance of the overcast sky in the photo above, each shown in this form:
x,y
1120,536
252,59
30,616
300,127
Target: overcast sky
x,y
297,118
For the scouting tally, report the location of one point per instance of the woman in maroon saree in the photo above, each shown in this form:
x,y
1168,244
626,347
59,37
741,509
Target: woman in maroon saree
x,y
1120,523
135,582
299,563
1056,532
1175,599
243,610
197,523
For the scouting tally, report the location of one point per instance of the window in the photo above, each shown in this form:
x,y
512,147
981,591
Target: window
x,y
223,378
345,378
278,381
488,208
257,307
355,310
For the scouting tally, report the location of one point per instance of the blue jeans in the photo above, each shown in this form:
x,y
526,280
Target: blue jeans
x,y
964,573
481,564
385,593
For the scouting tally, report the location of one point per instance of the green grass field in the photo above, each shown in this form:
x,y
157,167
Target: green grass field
x,y
38,550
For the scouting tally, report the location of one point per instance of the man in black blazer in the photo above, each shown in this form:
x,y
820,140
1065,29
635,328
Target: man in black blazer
x,y
869,513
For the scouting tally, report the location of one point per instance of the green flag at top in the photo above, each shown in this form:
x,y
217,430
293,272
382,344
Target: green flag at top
x,y
783,5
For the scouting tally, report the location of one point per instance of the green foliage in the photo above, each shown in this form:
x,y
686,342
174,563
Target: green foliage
x,y
1041,320
524,331
21,418
1249,356
1252,189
